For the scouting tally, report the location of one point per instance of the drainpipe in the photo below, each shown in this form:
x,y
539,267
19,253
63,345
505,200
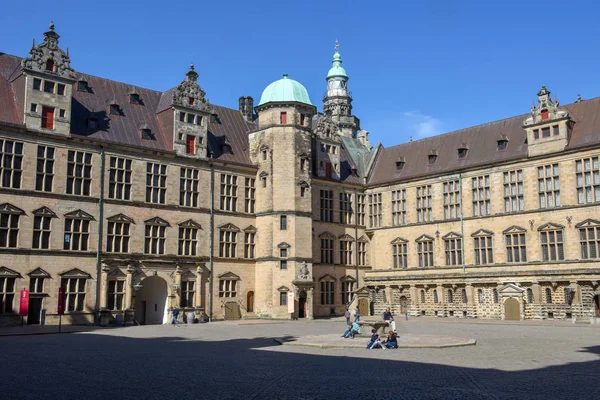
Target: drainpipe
x,y
100,235
211,241
462,225
356,235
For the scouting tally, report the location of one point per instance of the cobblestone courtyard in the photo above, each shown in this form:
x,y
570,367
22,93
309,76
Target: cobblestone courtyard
x,y
231,360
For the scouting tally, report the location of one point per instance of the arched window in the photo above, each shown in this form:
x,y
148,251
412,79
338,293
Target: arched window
x,y
568,296
450,296
548,296
464,295
50,65
480,295
435,296
530,295
422,296
496,296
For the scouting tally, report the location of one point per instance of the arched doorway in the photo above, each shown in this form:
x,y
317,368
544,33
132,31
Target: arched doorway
x,y
403,305
302,304
250,302
151,301
512,310
363,307
597,305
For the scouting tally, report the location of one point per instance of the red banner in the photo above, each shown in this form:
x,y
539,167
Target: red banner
x,y
61,301
24,303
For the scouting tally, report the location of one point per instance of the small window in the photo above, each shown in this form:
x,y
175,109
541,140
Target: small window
x,y
302,119
33,107
462,153
82,86
61,113
264,154
432,158
328,133
264,181
61,89
134,98
546,132
114,109
302,164
283,222
198,120
190,144
146,134
283,253
545,115
48,117
48,86
399,165
191,101
302,191
50,65
283,264
502,144
92,123
555,130
536,133
182,117
190,118
283,117
37,84
213,118
283,298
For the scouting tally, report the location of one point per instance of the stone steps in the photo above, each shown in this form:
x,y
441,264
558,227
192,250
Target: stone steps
x,y
250,315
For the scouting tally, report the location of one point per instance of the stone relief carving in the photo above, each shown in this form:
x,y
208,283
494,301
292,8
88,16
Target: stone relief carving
x,y
546,110
48,58
327,128
189,94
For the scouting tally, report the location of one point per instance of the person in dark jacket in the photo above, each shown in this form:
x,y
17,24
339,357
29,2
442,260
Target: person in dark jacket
x,y
375,342
357,315
389,318
175,312
391,341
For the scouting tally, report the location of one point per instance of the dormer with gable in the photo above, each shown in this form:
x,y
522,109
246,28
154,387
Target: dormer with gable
x,y
328,145
48,85
548,127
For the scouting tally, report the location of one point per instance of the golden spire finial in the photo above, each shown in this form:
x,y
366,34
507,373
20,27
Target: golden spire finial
x,y
337,45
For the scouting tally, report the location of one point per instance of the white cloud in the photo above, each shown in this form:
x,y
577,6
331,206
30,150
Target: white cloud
x,y
420,125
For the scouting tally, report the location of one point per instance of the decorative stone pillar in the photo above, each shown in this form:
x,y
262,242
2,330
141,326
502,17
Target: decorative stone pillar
x,y
309,304
413,307
441,301
104,286
577,292
129,286
469,290
177,291
198,291
537,291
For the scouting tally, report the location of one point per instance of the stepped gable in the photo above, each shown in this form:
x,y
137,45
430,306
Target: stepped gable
x,y
481,141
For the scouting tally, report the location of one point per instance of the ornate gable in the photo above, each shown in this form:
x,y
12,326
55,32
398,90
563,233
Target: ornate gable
x,y
327,235
327,129
38,273
230,276
424,238
188,94
116,273
229,227
550,226
6,272
348,278
587,223
482,232
190,224
363,238
250,229
451,235
345,236
511,289
546,110
283,245
79,214
75,273
44,212
283,289
514,229
48,58
399,240
327,277
8,208
157,221
188,276
120,218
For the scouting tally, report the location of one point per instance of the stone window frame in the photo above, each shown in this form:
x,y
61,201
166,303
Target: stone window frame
x,y
326,205
435,297
79,173
327,290
189,187
249,242
346,210
512,249
228,285
11,163
8,290
529,295
587,177
424,203
188,290
552,242
589,239
347,288
188,239
399,253
283,295
549,185
375,210
548,295
156,182
463,293
228,197
482,192
228,240
284,250
44,177
346,249
120,173
327,251
480,296
450,296
42,228
115,299
514,198
425,251
399,207
118,233
155,236
452,199
250,195
453,249
496,296
36,281
360,209
77,231
483,246
423,298
74,296
361,250
9,225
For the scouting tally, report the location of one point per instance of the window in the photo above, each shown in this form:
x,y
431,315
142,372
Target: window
x,y
227,288
326,251
50,65
114,109
345,208
282,222
9,225
450,296
464,295
483,248
283,118
555,130
362,252
74,293
529,295
119,178
227,243
190,144
568,296
327,292
399,207
36,284
118,236
60,90
424,203
432,158
49,86
425,251
546,132
516,250
191,101
116,290
481,196
7,294
588,180
480,296
79,173
452,199
82,86
249,195
347,291
33,107
146,134
360,209
589,239
134,98
44,168
37,84
549,186
190,118
462,153
188,187
513,191
283,264
92,123
496,296
11,163
181,117
435,296
228,192
188,240
198,120
345,252
47,117
302,116
155,236
283,298
453,249
375,210
400,165
327,205
548,296
156,183
399,253
249,244
188,291
552,244
302,164
77,232
422,296
502,144
41,231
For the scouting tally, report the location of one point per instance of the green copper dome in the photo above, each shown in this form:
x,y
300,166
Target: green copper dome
x,y
337,71
285,89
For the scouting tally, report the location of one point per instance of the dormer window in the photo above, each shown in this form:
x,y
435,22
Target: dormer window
x,y
50,65
432,157
462,152
502,144
191,101
146,133
82,86
114,109
92,123
134,98
214,118
400,163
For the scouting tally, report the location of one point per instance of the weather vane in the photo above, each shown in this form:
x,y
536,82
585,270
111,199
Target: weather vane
x,y
337,45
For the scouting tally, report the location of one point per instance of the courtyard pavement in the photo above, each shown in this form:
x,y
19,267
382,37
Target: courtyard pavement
x,y
242,360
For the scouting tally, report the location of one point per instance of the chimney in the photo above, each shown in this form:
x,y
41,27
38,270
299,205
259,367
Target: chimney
x,y
247,107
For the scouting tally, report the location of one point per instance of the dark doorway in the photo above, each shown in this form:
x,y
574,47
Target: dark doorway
x,y
250,302
302,305
35,309
403,305
597,305
151,301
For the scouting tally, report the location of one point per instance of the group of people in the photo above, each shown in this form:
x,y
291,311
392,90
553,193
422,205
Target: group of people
x,y
376,342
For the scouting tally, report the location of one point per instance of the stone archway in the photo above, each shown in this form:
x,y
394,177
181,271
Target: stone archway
x,y
597,305
151,301
512,309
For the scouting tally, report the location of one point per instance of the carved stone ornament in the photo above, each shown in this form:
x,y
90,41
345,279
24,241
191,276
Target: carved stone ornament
x,y
546,110
304,273
324,125
189,94
48,50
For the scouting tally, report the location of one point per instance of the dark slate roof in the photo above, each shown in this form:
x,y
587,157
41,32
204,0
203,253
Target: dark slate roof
x,y
124,128
481,141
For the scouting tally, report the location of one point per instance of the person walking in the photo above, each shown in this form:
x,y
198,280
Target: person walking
x,y
175,312
357,314
347,315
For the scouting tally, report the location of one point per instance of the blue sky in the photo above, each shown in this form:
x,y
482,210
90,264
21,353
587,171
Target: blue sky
x,y
416,68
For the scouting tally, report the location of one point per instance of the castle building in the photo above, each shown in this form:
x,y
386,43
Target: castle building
x,y
134,201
